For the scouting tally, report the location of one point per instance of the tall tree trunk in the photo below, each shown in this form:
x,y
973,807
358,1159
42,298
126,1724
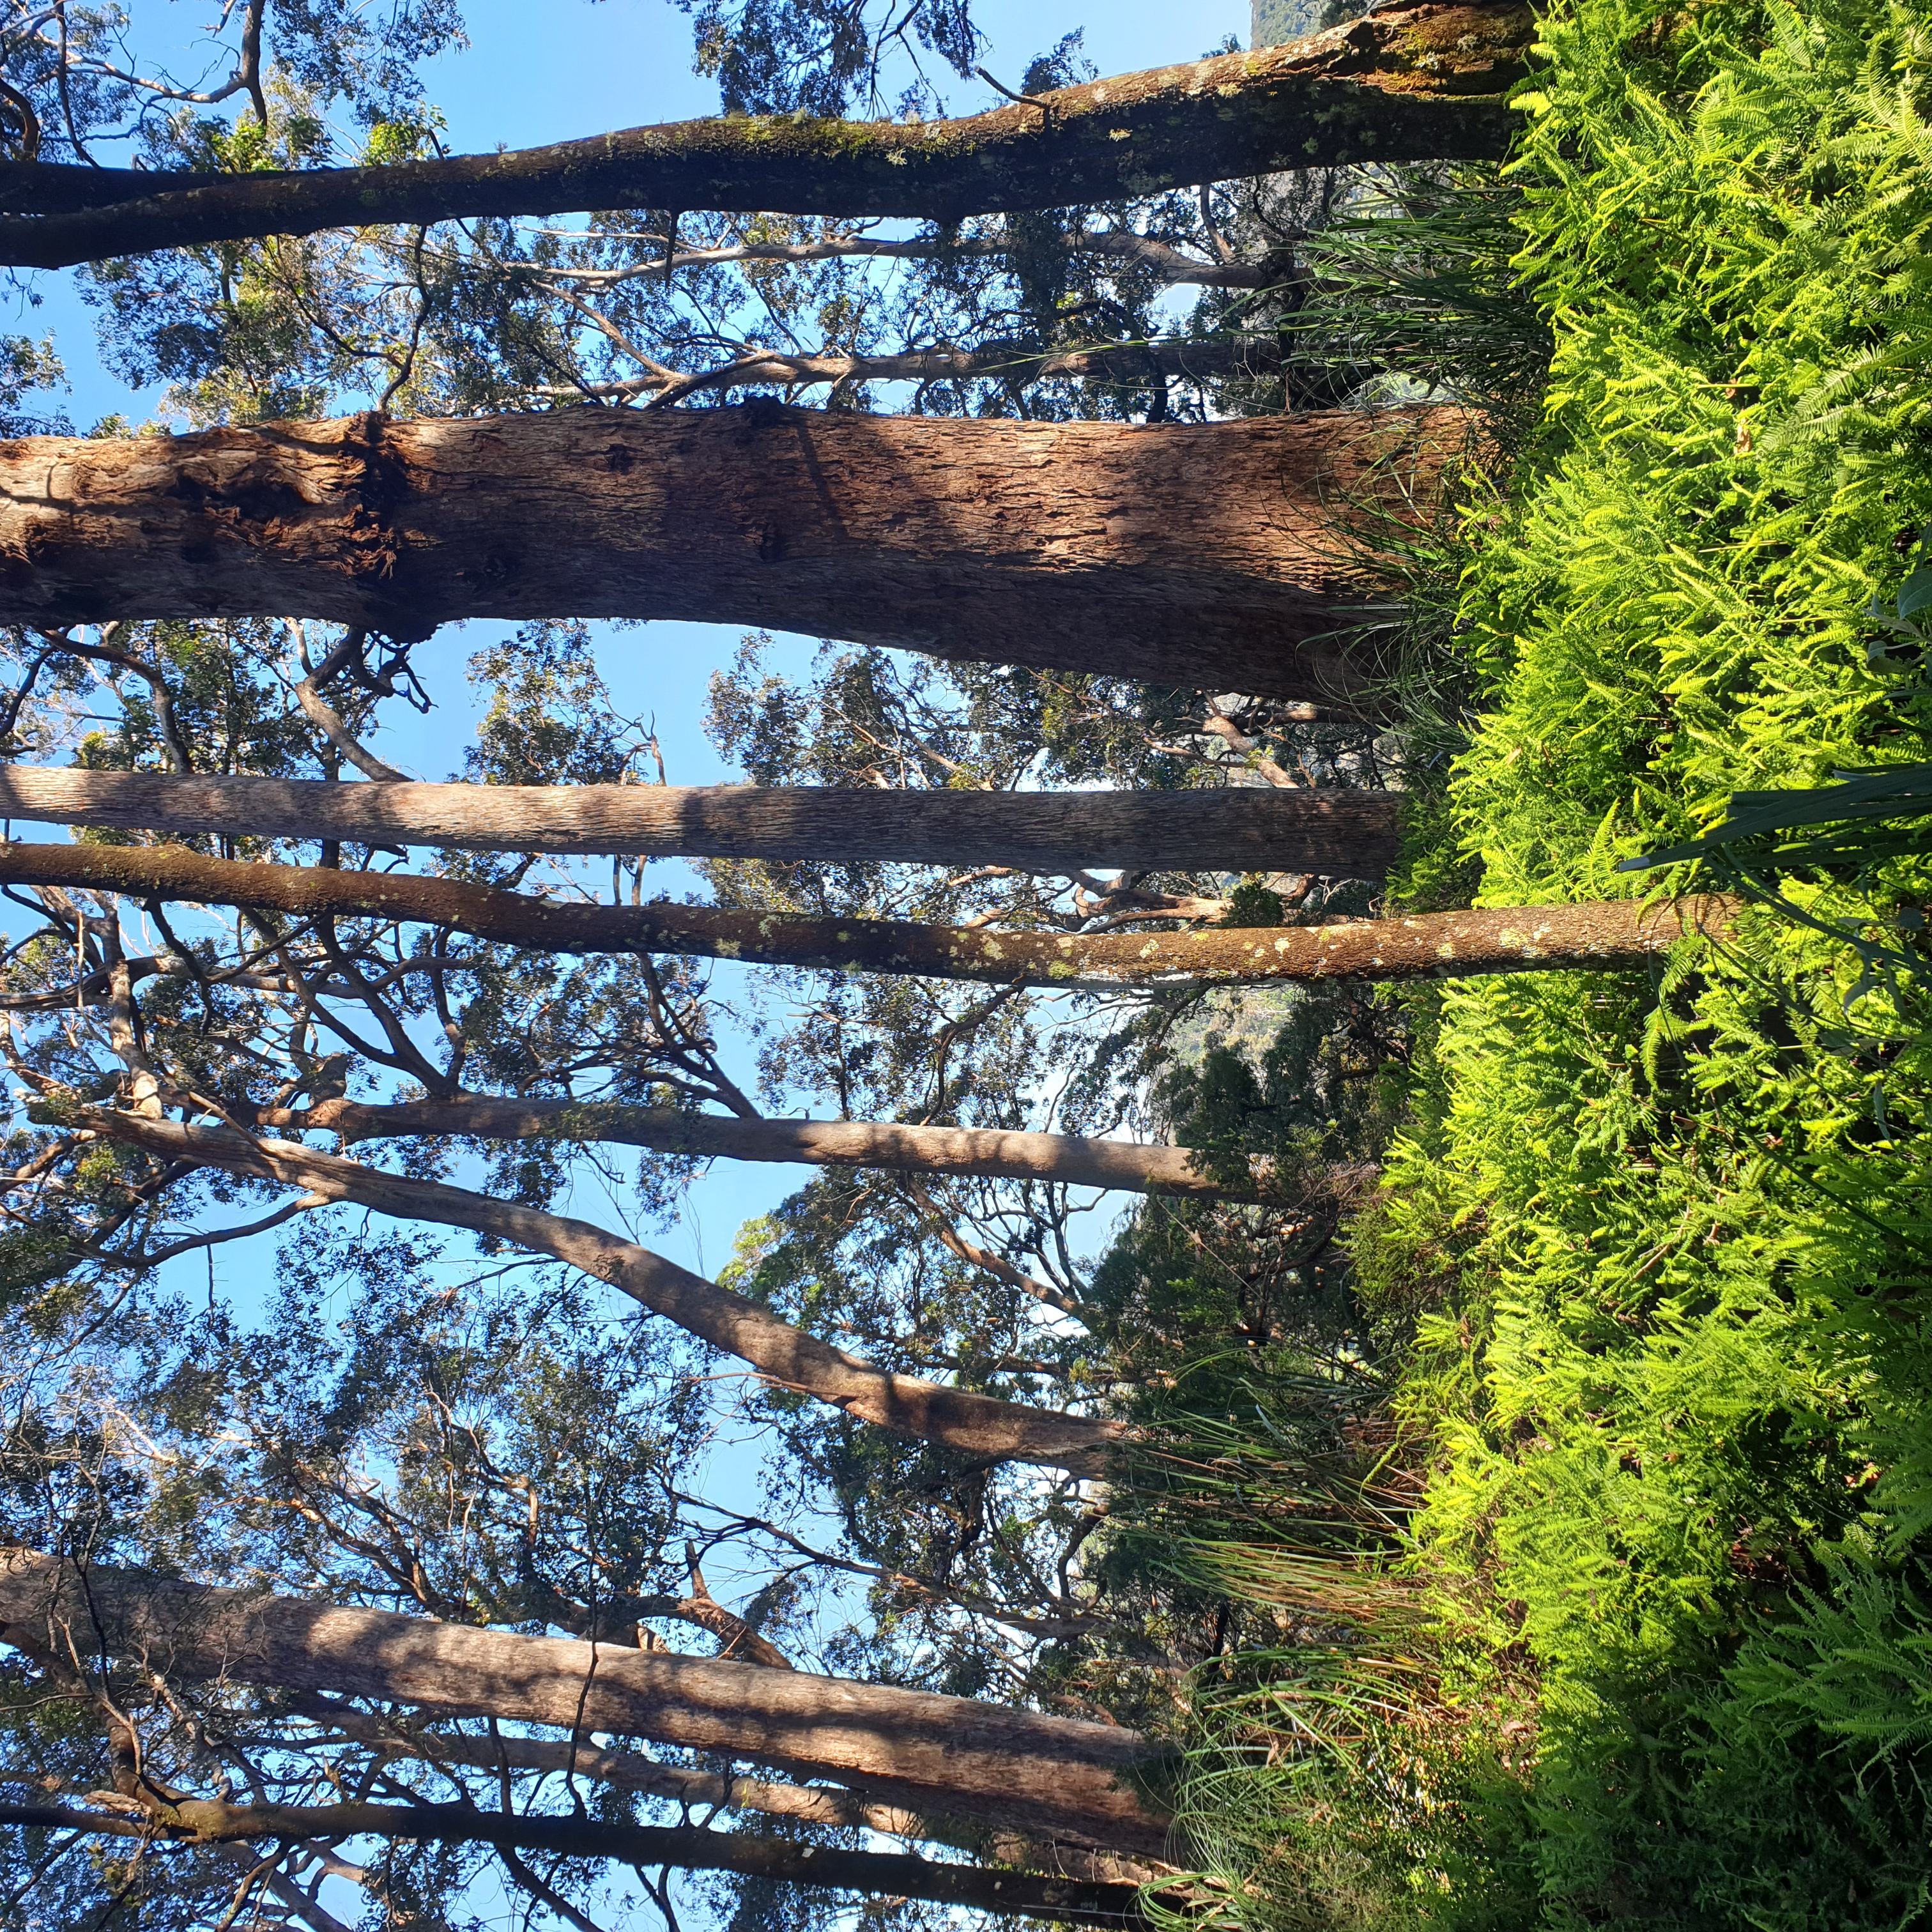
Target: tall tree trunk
x,y
996,1154
977,1425
1210,555
1411,83
1243,828
201,1821
1604,935
1009,1767
711,1790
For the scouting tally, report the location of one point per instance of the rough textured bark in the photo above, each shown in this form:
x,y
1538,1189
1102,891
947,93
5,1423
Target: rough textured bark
x,y
1244,829
1080,546
953,1754
1410,83
689,1848
1603,935
885,1144
978,1425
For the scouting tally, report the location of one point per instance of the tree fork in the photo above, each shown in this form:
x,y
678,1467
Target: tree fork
x,y
994,1153
955,1755
1082,547
1412,83
1244,829
977,1425
1604,935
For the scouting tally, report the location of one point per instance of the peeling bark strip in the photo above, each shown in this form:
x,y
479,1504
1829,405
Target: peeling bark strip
x,y
1243,829
948,1754
1413,83
1067,1901
978,1425
1078,546
1604,935
885,1144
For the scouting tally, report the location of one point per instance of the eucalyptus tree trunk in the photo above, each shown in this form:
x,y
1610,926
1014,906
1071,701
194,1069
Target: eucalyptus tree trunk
x,y
977,1425
1210,555
1603,935
991,1762
204,1822
994,1153
1424,82
1242,828
716,1791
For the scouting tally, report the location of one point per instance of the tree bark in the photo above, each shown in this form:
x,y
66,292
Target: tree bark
x,y
1009,1767
1084,547
1413,83
809,1804
998,1155
689,1848
1242,828
1605,935
1351,835
977,1425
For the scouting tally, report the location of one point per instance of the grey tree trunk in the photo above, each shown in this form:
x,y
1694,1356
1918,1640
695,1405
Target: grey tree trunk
x,y
1008,1767
1242,828
1205,556
891,1144
978,1425
1411,83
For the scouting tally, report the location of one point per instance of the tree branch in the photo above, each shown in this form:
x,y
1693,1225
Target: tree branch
x,y
1136,363
632,1771
1169,263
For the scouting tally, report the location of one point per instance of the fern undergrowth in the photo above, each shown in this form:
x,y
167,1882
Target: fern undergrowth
x,y
1642,1636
